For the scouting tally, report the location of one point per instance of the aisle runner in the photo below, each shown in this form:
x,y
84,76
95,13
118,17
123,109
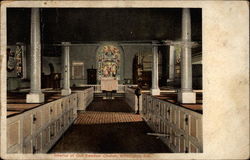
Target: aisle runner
x,y
90,117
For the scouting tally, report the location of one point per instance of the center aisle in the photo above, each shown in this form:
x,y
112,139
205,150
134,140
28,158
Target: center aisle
x,y
108,127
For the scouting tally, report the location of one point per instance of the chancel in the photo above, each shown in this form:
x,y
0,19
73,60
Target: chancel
x,y
104,80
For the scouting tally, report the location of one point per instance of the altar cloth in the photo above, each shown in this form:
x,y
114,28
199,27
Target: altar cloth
x,y
109,84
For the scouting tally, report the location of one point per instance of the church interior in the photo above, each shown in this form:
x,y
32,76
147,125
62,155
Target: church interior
x,y
104,80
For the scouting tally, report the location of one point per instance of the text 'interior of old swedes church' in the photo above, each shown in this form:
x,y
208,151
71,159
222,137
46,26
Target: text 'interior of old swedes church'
x,y
104,80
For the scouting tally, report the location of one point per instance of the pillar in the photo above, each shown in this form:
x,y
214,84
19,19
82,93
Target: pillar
x,y
171,63
66,66
35,95
155,78
186,94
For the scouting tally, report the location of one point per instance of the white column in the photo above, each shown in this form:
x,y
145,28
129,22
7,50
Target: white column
x,y
66,66
171,63
155,87
35,95
186,94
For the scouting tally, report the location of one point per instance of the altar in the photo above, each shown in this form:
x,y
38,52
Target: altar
x,y
109,85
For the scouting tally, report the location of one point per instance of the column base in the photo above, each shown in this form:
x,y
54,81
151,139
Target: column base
x,y
35,98
186,97
155,92
66,92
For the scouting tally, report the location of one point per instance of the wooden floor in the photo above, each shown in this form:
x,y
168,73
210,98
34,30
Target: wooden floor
x,y
108,126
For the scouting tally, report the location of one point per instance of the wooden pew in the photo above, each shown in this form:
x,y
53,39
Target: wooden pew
x,y
35,128
181,124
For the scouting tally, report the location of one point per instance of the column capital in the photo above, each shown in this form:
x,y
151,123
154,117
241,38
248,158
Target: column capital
x,y
65,43
19,43
155,42
191,44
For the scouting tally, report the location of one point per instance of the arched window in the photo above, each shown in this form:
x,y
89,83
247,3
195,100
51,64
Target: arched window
x,y
108,61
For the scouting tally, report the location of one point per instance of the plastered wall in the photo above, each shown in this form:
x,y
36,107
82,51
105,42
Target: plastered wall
x,y
87,54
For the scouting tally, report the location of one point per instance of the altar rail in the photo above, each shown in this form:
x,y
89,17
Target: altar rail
x,y
97,87
179,128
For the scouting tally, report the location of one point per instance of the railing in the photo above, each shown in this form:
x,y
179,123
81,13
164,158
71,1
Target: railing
x,y
97,87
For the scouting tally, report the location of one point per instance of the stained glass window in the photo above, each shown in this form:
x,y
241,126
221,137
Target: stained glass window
x,y
108,61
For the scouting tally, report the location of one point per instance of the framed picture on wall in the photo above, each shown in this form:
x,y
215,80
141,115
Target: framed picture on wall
x,y
77,70
10,60
20,58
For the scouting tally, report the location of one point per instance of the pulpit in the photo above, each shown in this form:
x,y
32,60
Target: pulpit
x,y
91,76
109,85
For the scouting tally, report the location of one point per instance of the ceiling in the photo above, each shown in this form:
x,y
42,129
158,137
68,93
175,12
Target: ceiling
x,y
82,25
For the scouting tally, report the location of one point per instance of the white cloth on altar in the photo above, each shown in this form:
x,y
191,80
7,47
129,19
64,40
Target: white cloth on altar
x,y
109,84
